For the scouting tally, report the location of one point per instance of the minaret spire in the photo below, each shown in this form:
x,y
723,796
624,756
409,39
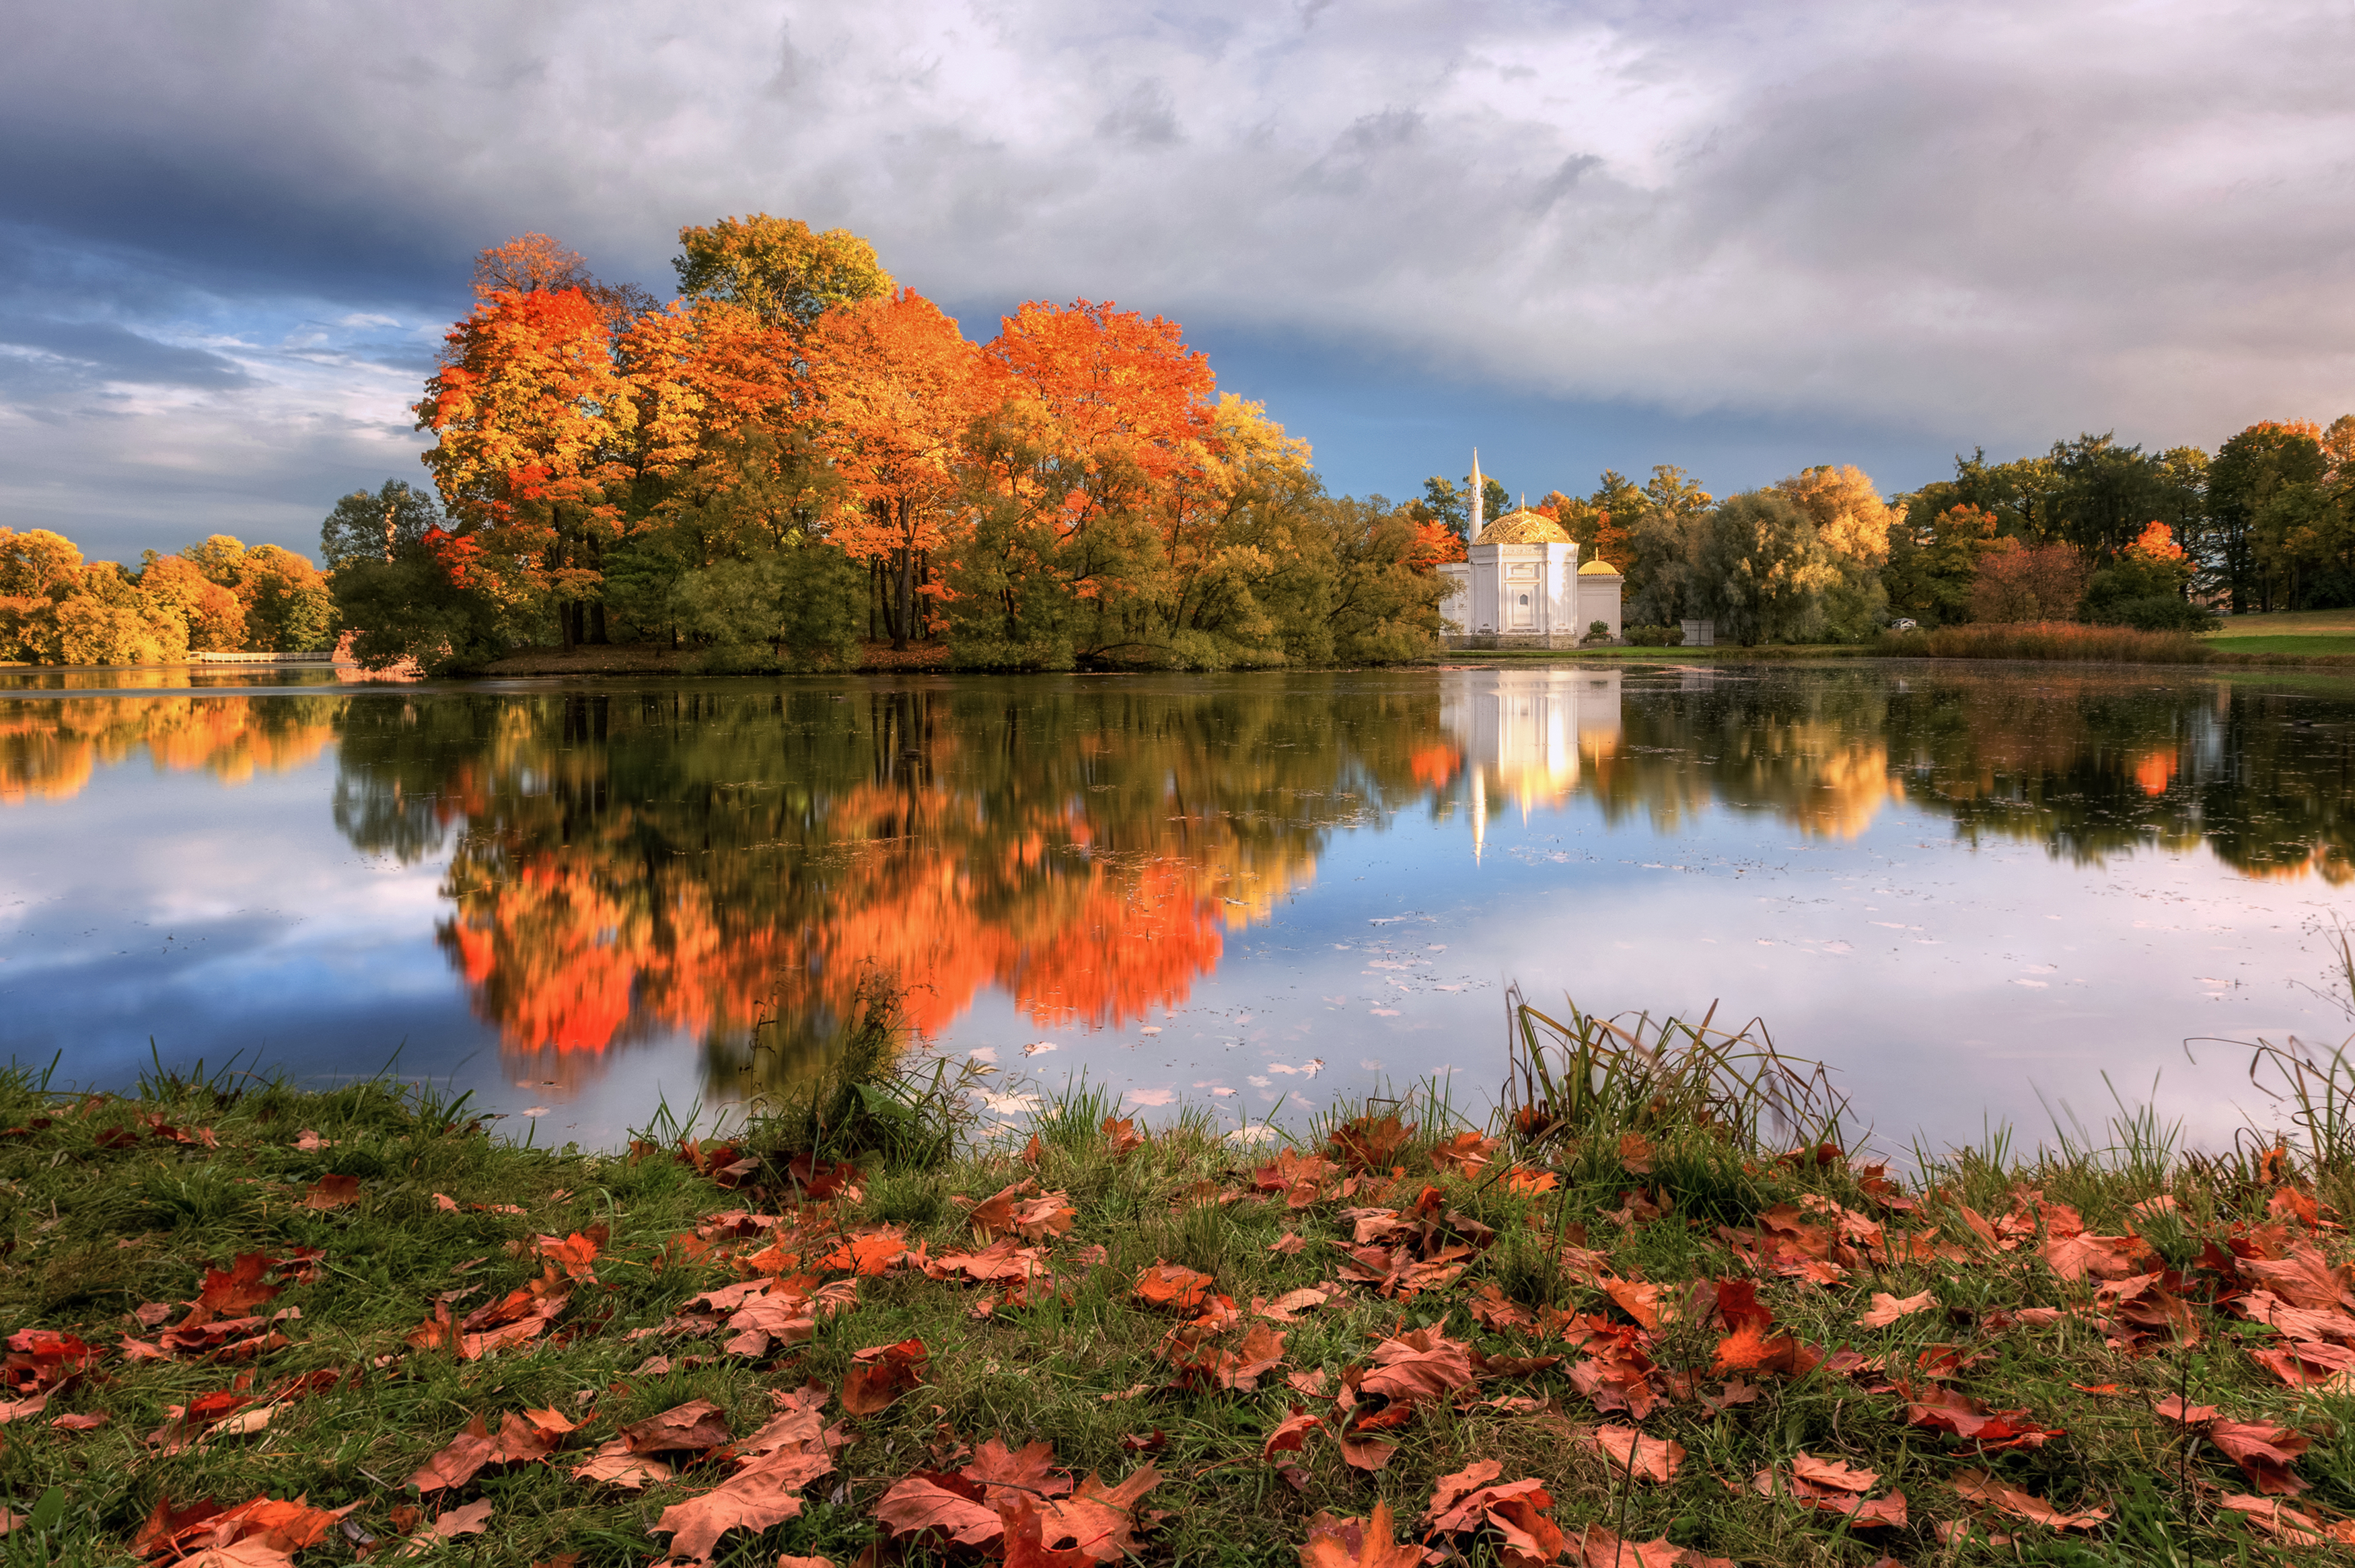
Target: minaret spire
x,y
1479,500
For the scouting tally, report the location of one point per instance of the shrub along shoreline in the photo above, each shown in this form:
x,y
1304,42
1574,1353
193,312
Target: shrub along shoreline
x,y
1650,1301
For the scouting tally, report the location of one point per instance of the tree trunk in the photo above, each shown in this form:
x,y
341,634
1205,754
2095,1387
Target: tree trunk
x,y
565,623
902,565
597,623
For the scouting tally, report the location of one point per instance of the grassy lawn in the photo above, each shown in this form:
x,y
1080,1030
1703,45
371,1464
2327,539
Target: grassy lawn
x,y
251,1325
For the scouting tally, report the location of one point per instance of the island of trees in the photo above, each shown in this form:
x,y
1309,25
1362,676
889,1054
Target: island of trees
x,y
796,455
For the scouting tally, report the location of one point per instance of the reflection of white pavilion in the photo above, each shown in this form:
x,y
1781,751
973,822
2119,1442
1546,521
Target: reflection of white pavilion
x,y
1529,734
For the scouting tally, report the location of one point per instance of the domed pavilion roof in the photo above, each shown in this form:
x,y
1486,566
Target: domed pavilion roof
x,y
1523,527
1598,568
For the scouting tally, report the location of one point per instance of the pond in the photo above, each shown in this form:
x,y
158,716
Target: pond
x,y
1982,894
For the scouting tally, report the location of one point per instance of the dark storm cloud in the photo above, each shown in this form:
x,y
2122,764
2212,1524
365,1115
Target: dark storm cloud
x,y
1999,222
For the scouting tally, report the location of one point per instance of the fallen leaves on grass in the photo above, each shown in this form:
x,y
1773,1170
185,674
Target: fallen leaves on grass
x,y
1468,1502
1836,1488
1978,1487
881,1373
1887,1308
1358,1543
1632,1453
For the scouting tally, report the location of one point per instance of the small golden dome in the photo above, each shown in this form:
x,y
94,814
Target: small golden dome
x,y
1598,568
1523,527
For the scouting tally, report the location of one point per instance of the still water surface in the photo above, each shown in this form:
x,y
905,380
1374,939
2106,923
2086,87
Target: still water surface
x,y
1974,893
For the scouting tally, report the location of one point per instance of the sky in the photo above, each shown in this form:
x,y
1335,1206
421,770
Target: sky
x,y
1742,239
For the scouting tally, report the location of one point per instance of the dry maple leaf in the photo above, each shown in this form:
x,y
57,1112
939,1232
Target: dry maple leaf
x,y
868,1253
694,1426
1122,1134
1978,1487
1598,1548
765,1492
2264,1452
1172,1286
1466,1502
1887,1308
332,1192
467,1520
1632,1453
1351,1543
1420,1365
948,1504
1636,1153
881,1373
1286,1244
618,1464
1466,1152
1005,1474
1291,1435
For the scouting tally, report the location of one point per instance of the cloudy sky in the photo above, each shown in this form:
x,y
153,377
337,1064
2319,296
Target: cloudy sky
x,y
1739,237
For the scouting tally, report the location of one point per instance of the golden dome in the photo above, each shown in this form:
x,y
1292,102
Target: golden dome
x,y
1523,527
1598,568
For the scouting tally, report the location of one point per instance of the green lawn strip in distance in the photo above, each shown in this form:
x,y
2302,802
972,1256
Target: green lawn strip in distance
x,y
2288,642
109,1205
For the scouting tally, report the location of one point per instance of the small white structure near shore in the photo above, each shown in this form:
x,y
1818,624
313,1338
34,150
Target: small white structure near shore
x,y
1520,585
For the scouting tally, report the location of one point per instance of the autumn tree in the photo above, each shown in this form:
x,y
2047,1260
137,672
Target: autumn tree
x,y
212,612
1095,409
531,416
776,267
894,385
1852,524
2017,582
1933,562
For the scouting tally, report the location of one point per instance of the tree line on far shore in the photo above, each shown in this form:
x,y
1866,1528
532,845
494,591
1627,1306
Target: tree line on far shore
x,y
796,455
2094,530
216,597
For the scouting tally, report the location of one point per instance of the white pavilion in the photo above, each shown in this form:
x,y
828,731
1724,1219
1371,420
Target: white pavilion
x,y
1520,585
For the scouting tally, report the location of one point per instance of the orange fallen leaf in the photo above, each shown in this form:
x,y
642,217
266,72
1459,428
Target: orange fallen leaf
x,y
1887,1308
1172,1286
1353,1544
1632,1453
332,1192
881,1373
1978,1487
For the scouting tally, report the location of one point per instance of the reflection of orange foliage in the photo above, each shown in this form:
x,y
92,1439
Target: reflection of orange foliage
x,y
2155,771
562,959
1434,767
50,748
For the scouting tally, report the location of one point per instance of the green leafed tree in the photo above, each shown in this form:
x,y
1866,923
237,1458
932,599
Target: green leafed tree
x,y
379,525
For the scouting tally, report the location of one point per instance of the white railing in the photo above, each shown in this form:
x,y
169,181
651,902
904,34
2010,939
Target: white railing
x,y
322,657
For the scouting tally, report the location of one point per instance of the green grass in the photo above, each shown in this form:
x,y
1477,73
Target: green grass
x,y
2284,642
1601,1122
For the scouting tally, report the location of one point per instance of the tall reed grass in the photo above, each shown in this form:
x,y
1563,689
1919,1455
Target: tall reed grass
x,y
2049,640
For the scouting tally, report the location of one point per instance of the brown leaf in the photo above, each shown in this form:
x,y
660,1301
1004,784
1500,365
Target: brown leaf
x,y
1888,1308
1424,1364
1631,1453
950,1505
1172,1286
1466,1152
694,1426
2264,1452
1636,1153
467,1520
1291,1435
1122,1134
332,1192
1350,1543
617,1464
763,1493
881,1373
1978,1487
1261,1349
1286,1244
1832,1473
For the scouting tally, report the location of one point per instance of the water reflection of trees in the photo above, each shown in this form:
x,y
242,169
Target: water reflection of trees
x,y
700,860
2094,766
2091,765
50,747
